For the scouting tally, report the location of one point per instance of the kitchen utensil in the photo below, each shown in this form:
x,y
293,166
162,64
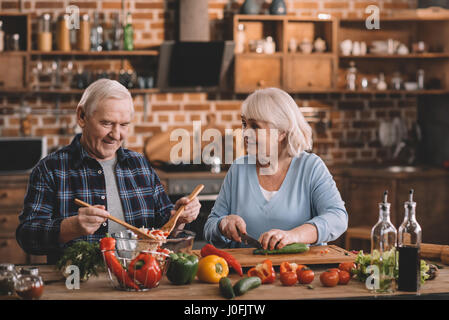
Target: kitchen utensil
x,y
120,222
250,241
169,226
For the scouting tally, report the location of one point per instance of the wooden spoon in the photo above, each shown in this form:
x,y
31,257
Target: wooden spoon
x,y
170,225
137,231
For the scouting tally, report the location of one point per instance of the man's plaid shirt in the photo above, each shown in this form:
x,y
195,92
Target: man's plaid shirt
x,y
71,173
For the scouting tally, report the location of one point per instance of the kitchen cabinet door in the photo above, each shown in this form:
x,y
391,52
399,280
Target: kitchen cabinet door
x,y
254,71
10,252
309,72
362,198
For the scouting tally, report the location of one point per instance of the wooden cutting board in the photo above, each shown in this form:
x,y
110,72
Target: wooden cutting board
x,y
314,256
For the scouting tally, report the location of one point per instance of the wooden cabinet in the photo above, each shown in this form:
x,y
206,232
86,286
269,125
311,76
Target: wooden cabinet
x,y
362,191
12,192
292,70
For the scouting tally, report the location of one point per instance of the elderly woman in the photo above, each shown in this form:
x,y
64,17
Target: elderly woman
x,y
297,201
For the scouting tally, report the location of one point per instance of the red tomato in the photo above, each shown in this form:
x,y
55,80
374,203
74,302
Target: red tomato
x,y
288,278
329,278
344,277
305,275
347,266
335,270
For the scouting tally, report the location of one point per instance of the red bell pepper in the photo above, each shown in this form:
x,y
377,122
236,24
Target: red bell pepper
x,y
209,249
264,271
145,269
107,246
290,267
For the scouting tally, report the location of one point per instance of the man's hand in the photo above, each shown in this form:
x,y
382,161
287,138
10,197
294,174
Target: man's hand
x,y
232,226
191,210
91,218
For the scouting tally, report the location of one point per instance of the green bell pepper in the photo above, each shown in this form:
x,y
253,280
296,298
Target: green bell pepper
x,y
182,268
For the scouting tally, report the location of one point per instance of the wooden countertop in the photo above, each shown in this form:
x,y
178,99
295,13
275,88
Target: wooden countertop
x,y
99,288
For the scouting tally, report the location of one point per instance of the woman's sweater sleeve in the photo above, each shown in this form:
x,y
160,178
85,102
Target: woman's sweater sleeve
x,y
221,209
329,213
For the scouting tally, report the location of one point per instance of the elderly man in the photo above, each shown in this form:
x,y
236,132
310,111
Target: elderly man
x,y
96,169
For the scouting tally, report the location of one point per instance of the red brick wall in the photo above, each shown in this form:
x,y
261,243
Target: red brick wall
x,y
353,120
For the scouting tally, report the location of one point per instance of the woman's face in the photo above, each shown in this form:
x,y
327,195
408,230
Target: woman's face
x,y
259,137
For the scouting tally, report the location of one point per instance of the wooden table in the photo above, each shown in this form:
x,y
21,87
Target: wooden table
x,y
99,288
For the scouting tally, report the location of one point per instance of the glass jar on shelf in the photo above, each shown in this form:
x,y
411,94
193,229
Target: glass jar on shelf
x,y
8,278
44,36
351,77
383,250
241,39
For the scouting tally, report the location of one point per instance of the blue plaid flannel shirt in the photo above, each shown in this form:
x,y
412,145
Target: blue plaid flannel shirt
x,y
71,173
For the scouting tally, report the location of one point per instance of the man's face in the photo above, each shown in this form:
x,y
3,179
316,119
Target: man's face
x,y
106,128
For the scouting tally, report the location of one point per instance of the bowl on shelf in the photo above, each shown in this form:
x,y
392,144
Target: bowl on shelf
x,y
411,86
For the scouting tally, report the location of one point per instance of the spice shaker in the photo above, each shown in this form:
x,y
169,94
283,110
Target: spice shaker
x,y
29,284
8,278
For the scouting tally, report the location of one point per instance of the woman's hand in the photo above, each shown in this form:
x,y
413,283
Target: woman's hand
x,y
232,226
282,238
191,210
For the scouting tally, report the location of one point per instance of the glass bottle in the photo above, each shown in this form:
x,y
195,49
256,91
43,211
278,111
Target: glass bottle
x,y
84,33
409,245
96,34
383,248
351,77
128,34
44,41
241,39
2,37
117,33
63,33
8,278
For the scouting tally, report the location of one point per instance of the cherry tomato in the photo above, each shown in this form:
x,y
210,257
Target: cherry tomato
x,y
329,278
288,278
305,276
347,266
335,270
344,277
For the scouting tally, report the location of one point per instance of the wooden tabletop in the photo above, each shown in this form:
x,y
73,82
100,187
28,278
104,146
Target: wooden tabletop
x,y
99,288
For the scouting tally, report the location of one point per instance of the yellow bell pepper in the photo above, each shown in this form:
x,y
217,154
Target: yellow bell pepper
x,y
212,268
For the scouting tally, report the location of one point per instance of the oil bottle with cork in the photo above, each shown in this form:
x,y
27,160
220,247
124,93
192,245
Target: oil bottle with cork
x,y
383,249
409,243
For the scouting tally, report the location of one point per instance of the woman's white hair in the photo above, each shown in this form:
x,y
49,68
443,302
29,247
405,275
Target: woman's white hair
x,y
277,107
101,90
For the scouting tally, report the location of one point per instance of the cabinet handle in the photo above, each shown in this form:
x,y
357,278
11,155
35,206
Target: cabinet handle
x,y
4,244
261,83
309,84
3,195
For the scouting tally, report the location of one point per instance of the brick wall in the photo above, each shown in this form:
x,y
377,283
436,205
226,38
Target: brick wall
x,y
351,120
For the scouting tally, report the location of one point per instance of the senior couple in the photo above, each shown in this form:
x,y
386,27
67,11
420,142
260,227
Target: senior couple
x,y
297,201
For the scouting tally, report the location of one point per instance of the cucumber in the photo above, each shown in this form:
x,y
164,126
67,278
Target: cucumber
x,y
244,285
288,249
226,289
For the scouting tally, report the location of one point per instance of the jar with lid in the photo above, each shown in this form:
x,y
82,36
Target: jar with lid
x,y
14,42
84,34
44,40
29,284
8,278
241,38
63,33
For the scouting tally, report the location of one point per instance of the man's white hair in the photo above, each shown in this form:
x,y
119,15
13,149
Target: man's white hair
x,y
101,90
277,107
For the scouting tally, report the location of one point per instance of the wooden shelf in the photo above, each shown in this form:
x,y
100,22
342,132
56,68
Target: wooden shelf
x,y
65,91
96,53
432,55
14,53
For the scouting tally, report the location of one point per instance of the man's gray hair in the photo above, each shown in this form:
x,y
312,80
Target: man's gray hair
x,y
101,90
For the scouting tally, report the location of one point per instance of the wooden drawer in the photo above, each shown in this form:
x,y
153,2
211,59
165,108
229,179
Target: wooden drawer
x,y
253,71
308,72
11,252
12,197
8,224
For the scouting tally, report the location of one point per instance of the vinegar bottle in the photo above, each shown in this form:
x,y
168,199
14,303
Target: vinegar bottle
x,y
409,243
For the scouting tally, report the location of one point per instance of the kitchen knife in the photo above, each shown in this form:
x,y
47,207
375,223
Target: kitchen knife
x,y
250,241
